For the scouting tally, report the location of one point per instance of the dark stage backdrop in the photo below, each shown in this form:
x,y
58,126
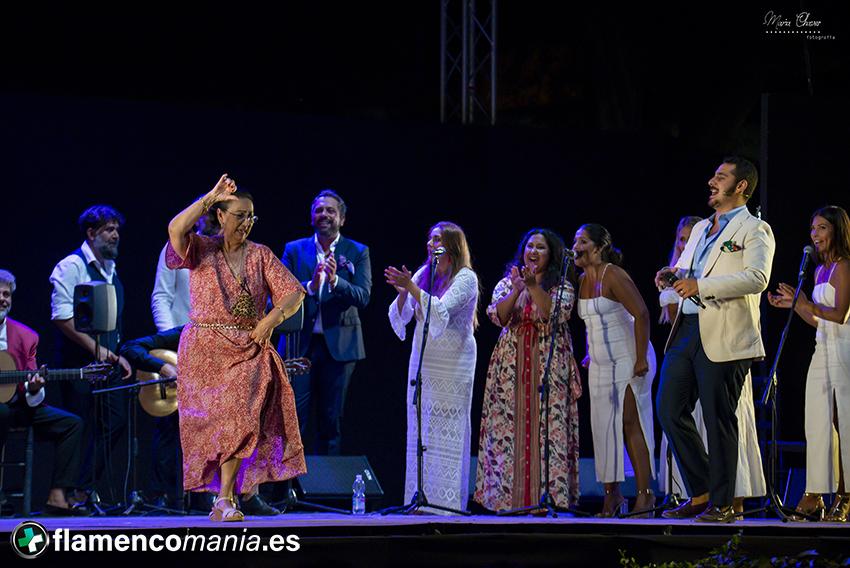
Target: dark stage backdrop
x,y
150,160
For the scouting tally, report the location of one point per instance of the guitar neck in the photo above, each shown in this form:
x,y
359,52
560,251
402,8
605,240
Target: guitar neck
x,y
12,377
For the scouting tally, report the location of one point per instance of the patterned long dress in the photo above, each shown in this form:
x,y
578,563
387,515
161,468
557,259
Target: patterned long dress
x,y
448,373
511,446
234,396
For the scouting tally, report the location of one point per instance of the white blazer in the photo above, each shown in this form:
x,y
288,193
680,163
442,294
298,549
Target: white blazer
x,y
731,287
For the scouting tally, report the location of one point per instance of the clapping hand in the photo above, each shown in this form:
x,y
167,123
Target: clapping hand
x,y
516,280
784,296
330,268
660,281
398,279
316,281
528,273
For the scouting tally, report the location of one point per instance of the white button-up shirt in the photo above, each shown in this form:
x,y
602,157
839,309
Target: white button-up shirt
x,y
71,271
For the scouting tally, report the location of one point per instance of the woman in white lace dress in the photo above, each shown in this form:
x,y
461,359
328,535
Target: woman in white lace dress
x,y
448,366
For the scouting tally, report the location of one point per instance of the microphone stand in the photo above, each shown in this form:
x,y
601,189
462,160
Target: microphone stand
x,y
772,391
419,499
547,503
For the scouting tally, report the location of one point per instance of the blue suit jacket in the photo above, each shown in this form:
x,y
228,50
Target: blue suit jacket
x,y
340,315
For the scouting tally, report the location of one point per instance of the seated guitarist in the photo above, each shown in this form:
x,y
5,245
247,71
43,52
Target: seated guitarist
x,y
26,407
167,435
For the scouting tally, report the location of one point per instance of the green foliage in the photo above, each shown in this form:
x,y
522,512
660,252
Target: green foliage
x,y
730,555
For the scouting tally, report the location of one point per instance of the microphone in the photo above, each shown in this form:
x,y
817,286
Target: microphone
x,y
569,253
670,278
808,253
440,251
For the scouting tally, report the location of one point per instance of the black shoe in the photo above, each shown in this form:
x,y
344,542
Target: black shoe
x,y
717,515
201,501
256,506
686,510
74,511
161,502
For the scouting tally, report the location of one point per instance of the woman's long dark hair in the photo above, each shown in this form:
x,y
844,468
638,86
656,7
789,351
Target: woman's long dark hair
x,y
556,258
837,217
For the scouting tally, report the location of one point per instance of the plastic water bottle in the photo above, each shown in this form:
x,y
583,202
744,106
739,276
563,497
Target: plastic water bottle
x,y
358,499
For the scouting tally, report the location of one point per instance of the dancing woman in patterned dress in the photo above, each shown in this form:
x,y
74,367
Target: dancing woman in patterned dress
x,y
238,426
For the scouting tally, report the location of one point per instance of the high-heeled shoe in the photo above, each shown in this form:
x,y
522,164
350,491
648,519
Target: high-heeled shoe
x,y
806,513
645,511
840,510
621,507
224,509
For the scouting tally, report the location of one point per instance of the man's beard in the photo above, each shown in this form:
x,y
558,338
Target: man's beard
x,y
108,251
331,230
4,312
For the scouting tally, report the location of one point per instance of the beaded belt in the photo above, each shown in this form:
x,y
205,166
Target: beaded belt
x,y
243,327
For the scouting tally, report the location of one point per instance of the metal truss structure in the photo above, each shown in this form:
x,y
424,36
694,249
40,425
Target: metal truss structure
x,y
468,61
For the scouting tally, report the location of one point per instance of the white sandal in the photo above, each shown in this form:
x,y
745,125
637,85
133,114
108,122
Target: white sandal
x,y
224,509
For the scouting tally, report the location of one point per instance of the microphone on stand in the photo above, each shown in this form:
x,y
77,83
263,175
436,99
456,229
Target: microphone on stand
x,y
437,253
808,253
670,278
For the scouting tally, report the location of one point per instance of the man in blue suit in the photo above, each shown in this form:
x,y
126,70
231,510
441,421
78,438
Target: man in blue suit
x,y
338,278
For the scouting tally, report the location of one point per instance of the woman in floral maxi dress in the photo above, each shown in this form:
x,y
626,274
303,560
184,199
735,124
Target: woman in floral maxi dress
x,y
511,446
238,426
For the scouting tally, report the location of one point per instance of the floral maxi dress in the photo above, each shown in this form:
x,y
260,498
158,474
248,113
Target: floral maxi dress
x,y
511,444
234,396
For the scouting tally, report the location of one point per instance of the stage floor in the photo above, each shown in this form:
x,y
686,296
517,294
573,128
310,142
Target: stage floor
x,y
383,523
375,540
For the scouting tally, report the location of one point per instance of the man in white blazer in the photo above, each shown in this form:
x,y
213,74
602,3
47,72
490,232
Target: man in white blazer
x,y
726,264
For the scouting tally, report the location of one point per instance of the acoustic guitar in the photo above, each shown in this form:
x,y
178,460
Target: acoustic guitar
x,y
161,399
10,376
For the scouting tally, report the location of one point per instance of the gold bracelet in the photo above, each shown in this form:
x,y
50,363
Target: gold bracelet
x,y
206,203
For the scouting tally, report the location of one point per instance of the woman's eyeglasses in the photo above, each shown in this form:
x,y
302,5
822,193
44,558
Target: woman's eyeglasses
x,y
243,216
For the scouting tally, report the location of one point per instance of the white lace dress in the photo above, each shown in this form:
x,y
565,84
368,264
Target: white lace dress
x,y
448,371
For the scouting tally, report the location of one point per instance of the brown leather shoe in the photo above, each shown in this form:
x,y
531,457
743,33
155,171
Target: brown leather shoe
x,y
717,515
686,510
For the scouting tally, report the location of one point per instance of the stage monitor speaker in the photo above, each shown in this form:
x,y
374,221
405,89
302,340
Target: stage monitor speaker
x,y
331,477
95,307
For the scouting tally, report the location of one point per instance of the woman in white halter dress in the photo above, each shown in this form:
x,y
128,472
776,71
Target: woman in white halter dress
x,y
828,381
619,380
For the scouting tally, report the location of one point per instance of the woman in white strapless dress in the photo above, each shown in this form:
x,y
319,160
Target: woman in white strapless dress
x,y
828,381
621,368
